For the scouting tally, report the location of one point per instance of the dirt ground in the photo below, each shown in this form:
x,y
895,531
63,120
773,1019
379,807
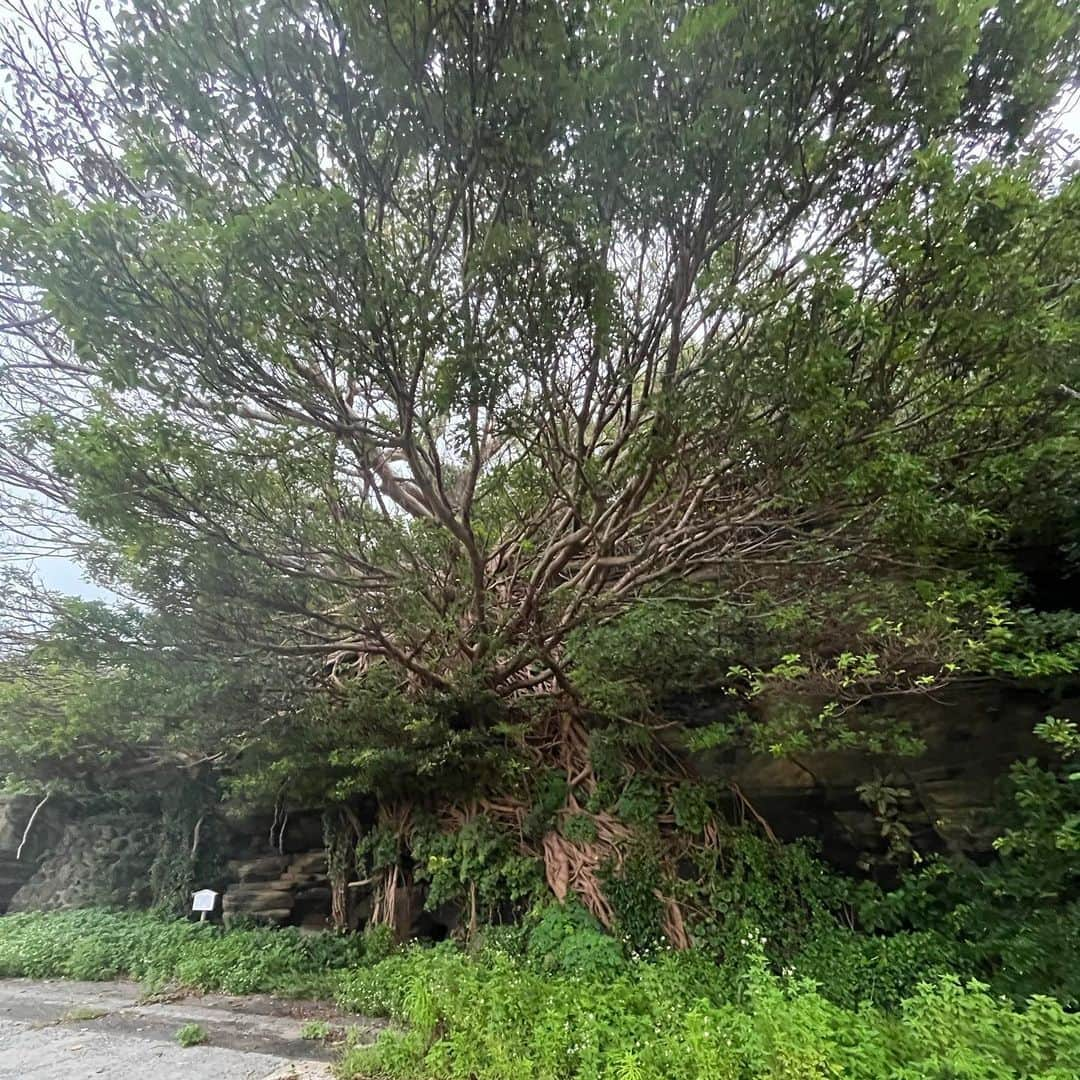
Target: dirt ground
x,y
60,1030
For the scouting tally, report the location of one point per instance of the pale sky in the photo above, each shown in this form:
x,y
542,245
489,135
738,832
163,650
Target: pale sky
x,y
62,575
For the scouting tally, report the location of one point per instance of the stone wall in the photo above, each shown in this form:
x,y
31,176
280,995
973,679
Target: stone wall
x,y
15,814
105,861
274,870
279,889
972,737
100,861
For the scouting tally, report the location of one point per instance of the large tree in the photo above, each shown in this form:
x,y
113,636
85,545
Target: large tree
x,y
490,363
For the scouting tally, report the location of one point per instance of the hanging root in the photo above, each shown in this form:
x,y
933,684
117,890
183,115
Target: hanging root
x,y
398,819
673,924
340,840
195,837
278,820
572,868
384,903
281,832
747,805
29,826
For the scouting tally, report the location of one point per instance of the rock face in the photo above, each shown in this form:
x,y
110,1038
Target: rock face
x,y
15,814
277,869
13,875
279,889
98,862
104,861
971,739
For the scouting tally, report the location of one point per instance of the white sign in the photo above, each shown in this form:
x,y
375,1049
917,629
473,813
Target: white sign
x,y
204,900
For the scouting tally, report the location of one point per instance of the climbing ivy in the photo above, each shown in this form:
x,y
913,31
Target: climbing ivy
x,y
188,853
479,867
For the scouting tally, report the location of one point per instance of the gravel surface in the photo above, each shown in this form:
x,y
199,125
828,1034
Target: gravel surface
x,y
58,1030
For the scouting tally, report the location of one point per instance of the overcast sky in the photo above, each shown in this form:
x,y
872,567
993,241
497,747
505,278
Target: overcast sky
x,y
65,576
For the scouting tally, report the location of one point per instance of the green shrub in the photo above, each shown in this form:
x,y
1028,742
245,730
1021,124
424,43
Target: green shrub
x,y
850,968
379,943
631,890
380,990
1014,922
747,885
510,938
491,1017
192,1035
477,864
566,938
315,1030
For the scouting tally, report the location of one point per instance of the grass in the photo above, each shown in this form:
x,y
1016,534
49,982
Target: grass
x,y
316,1030
682,1017
192,1035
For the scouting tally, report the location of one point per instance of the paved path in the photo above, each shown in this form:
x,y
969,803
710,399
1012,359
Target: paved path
x,y
59,1030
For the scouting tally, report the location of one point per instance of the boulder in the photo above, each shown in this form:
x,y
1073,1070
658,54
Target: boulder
x,y
270,916
264,868
257,901
309,864
280,885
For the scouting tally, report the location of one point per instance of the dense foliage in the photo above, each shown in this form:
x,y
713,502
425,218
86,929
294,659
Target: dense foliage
x,y
444,387
799,971
1013,924
505,1013
460,358
163,952
1016,920
493,1019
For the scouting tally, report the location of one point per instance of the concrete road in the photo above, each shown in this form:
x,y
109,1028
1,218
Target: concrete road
x,y
58,1030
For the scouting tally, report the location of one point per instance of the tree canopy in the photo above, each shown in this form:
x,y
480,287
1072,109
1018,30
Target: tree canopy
x,y
425,373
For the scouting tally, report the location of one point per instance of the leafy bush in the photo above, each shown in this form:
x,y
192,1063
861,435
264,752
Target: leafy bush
x,y
850,968
380,990
379,943
567,939
747,884
491,1017
93,944
1016,921
192,1035
632,892
476,863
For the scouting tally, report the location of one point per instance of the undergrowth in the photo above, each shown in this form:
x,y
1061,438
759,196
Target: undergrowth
x,y
494,1016
557,999
960,972
94,945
